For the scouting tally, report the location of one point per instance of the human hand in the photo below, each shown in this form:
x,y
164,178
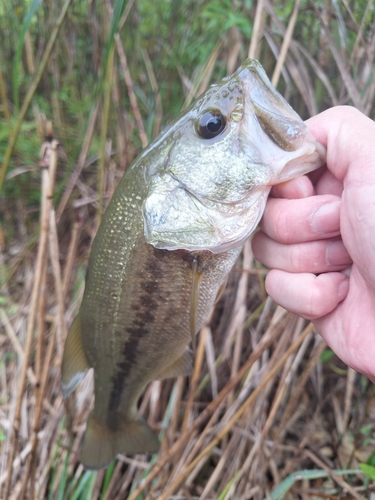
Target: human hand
x,y
318,237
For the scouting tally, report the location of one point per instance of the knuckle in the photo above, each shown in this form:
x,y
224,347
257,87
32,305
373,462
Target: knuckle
x,y
321,300
282,227
298,258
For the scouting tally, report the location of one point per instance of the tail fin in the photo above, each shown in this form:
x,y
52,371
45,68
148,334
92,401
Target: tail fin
x,y
101,444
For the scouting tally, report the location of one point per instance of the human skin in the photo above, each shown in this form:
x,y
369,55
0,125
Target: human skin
x,y
317,236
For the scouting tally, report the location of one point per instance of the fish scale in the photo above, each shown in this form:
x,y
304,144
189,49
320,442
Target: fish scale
x,y
171,234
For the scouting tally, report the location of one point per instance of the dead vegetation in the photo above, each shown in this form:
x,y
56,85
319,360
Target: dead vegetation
x,y
269,411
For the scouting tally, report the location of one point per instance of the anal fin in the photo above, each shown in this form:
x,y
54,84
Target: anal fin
x,y
74,363
101,444
180,367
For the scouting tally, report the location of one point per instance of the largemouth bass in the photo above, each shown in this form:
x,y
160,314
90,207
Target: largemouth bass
x,y
168,239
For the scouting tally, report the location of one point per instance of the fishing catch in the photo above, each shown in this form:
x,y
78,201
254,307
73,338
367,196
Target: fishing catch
x,y
168,239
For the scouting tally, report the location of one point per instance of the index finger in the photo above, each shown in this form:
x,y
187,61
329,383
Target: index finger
x,y
300,187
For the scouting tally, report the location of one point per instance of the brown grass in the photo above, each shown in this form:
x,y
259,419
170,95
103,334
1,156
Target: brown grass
x,y
265,399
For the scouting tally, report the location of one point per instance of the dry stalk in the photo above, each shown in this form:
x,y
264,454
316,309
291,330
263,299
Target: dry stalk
x,y
285,45
266,341
188,417
115,478
202,80
124,16
240,307
211,362
348,397
46,204
243,472
41,328
177,403
338,479
318,71
50,167
103,134
298,72
341,63
29,54
297,391
283,386
3,94
156,91
16,344
54,256
80,163
71,254
129,85
226,458
258,30
360,33
235,43
208,70
172,488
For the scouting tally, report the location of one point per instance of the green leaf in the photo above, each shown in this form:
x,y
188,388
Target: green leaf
x,y
227,487
369,470
326,355
284,487
84,485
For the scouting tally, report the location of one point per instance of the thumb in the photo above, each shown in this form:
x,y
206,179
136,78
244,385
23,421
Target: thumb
x,y
349,137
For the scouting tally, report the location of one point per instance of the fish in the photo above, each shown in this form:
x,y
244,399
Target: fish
x,y
171,233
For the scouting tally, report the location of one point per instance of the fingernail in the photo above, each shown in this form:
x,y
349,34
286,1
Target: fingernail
x,y
337,254
326,219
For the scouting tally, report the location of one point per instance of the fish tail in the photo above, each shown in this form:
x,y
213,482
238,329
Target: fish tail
x,y
101,444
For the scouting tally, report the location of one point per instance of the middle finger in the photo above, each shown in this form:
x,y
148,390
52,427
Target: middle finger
x,y
312,257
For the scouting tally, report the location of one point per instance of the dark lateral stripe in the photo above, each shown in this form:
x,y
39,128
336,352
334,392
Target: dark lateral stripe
x,y
145,306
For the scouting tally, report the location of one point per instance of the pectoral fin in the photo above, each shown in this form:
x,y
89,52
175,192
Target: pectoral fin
x,y
194,299
101,444
74,363
180,367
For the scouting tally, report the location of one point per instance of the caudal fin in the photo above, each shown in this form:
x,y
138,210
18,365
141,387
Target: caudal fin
x,y
101,444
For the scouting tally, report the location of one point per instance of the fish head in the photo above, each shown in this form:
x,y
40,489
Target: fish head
x,y
220,160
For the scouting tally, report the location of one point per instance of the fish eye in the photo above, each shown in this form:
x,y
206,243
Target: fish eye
x,y
211,124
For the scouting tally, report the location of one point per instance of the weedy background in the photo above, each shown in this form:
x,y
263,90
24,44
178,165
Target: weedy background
x,y
270,412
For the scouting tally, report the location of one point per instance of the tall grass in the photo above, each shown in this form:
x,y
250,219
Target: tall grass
x,y
267,398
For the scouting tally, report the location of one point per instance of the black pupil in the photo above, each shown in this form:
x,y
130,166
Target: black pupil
x,y
211,124
214,124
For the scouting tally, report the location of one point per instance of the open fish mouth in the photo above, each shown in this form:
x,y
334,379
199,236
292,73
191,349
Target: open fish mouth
x,y
237,141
